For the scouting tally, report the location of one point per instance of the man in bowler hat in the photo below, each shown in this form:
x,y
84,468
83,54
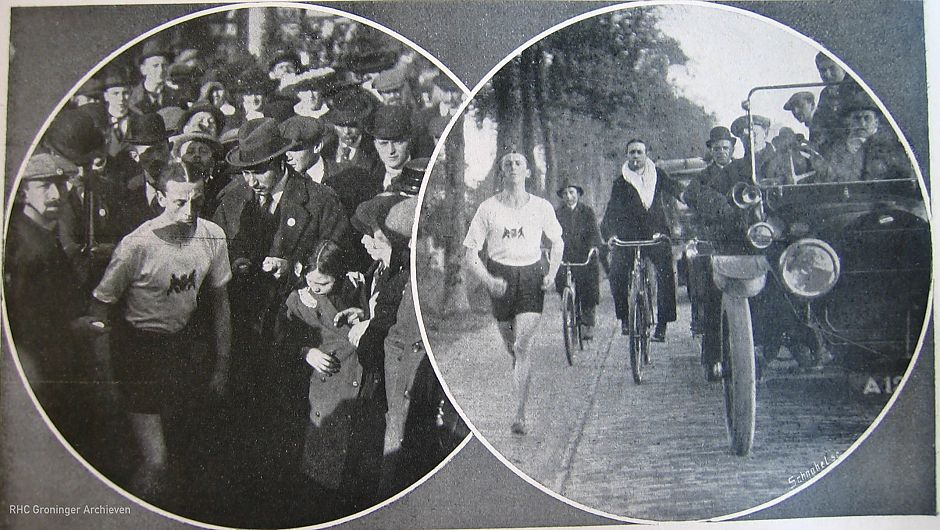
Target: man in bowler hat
x,y
153,93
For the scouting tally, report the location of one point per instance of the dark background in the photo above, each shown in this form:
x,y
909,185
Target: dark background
x,y
893,470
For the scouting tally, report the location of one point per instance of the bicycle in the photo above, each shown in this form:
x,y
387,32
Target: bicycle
x,y
642,296
571,309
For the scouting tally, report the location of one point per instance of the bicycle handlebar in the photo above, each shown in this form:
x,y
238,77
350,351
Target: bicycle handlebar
x,y
616,242
584,263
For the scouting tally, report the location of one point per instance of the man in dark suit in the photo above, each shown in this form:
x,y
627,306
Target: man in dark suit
x,y
349,148
143,159
152,93
580,233
635,212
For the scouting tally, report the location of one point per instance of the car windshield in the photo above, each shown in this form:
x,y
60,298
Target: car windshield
x,y
820,134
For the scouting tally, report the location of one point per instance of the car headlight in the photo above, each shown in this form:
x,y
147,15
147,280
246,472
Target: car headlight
x,y
761,235
809,268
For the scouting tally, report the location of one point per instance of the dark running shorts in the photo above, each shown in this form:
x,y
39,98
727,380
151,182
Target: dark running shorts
x,y
158,372
524,292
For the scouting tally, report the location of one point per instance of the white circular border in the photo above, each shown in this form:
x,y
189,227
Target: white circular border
x,y
693,3
58,108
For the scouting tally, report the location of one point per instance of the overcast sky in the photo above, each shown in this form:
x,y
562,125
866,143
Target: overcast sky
x,y
729,53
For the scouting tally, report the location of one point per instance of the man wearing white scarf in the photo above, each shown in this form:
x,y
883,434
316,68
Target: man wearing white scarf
x,y
635,211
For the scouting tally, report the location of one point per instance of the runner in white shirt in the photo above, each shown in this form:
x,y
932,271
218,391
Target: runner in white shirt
x,y
511,224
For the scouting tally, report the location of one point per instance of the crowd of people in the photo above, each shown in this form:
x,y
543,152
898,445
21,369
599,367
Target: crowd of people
x,y
209,287
848,141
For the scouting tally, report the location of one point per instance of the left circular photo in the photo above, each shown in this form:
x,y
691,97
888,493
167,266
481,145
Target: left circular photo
x,y
206,273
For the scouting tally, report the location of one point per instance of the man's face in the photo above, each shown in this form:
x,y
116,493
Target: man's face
x,y
862,123
721,151
348,134
44,196
803,110
303,159
263,178
203,122
281,69
393,153
830,72
515,167
252,102
378,246
116,98
636,156
217,97
197,152
182,201
154,69
570,196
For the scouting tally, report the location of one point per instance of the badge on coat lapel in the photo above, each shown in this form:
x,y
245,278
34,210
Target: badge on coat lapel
x,y
291,221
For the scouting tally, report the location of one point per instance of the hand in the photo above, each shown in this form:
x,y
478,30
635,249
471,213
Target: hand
x,y
497,286
276,266
357,331
348,316
219,380
322,362
241,266
89,325
548,281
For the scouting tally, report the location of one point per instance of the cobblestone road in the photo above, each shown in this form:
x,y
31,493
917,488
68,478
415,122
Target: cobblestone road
x,y
657,450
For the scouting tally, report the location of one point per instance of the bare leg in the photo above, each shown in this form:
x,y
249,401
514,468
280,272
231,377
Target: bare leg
x,y
149,434
526,324
507,332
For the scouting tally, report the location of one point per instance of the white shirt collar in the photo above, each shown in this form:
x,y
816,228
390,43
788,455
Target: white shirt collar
x,y
276,194
316,171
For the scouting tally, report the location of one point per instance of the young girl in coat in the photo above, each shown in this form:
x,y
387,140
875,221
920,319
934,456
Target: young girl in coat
x,y
312,330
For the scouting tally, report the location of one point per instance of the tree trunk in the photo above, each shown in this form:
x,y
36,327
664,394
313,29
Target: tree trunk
x,y
455,288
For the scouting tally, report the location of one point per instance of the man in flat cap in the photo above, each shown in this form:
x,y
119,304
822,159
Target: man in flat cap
x,y
307,135
349,147
309,93
753,135
44,300
393,87
153,93
803,106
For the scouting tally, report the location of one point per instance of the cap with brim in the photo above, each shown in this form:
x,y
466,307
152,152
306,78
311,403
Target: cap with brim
x,y
411,177
48,166
304,131
350,107
719,133
307,84
391,122
569,183
858,100
259,141
73,135
207,139
401,217
147,129
739,125
370,215
153,48
203,106
796,98
370,62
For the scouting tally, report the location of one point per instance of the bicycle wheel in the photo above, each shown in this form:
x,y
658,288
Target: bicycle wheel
x,y
636,340
577,322
738,367
647,323
569,324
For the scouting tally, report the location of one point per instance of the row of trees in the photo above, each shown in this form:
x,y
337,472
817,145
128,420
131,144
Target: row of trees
x,y
568,102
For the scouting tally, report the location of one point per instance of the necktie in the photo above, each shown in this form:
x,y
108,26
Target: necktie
x,y
263,200
118,132
344,153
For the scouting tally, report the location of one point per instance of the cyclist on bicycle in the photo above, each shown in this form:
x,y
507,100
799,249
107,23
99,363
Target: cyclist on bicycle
x,y
511,224
635,211
580,234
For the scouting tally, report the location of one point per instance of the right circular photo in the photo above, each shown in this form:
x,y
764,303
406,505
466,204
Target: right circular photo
x,y
673,274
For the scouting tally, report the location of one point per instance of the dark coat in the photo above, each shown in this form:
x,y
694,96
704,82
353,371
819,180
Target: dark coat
x,y
627,218
309,213
365,156
580,233
708,196
139,101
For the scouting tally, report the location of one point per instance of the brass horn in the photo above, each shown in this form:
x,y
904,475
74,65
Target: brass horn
x,y
745,195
